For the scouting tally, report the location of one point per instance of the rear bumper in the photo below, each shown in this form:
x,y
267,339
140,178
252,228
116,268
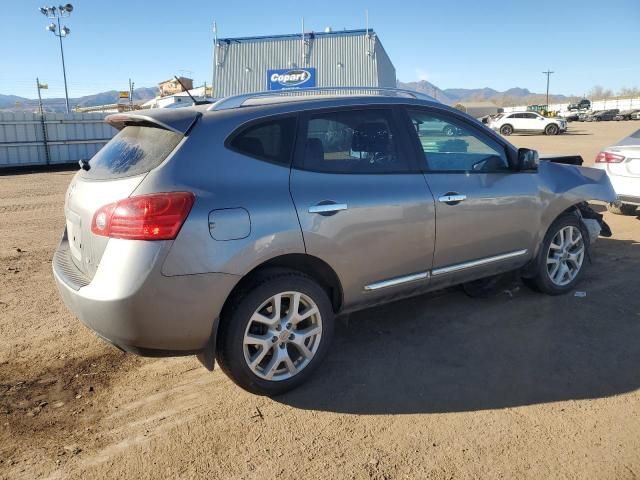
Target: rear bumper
x,y
627,188
130,304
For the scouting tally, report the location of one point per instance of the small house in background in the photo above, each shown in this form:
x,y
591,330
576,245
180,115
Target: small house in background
x,y
479,109
172,86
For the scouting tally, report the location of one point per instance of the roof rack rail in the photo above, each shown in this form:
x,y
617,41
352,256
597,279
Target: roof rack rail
x,y
236,101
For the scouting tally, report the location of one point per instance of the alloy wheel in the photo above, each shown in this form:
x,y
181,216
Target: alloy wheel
x,y
565,255
282,336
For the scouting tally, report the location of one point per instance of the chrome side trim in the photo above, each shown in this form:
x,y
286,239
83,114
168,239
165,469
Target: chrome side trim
x,y
331,207
476,263
392,282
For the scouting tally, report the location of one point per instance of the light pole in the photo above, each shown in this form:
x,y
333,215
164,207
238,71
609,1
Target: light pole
x,y
548,74
60,32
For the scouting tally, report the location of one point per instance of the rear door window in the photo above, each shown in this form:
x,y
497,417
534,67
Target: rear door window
x,y
133,151
353,141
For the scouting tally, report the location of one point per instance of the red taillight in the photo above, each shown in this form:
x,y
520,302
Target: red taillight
x,y
606,157
158,216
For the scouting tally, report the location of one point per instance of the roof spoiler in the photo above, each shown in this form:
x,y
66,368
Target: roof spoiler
x,y
178,120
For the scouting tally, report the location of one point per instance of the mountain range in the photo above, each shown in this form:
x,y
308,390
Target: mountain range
x,y
451,96
22,104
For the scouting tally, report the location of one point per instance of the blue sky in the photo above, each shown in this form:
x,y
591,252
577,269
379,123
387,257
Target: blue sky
x,y
453,44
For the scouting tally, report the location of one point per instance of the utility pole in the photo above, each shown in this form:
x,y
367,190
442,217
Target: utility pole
x,y
60,32
548,74
131,84
43,124
214,55
39,96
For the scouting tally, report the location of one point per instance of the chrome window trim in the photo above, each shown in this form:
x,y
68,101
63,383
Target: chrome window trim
x,y
476,263
392,282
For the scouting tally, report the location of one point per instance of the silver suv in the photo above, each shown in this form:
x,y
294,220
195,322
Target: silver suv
x,y
237,231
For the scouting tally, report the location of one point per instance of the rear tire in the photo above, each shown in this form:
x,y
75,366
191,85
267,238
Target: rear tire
x,y
620,208
561,259
506,130
264,345
551,129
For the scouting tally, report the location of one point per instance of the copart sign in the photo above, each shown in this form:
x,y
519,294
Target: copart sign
x,y
286,79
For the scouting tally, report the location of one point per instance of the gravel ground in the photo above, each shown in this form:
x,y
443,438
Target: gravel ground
x,y
518,385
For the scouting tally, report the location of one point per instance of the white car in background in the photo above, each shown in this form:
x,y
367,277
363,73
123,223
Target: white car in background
x,y
622,164
508,123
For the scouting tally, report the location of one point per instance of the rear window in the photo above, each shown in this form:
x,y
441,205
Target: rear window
x,y
271,140
134,150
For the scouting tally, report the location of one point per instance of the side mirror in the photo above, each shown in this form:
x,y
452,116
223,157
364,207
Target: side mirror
x,y
528,159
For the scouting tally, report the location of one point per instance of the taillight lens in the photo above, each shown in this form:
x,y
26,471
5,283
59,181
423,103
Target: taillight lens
x,y
606,157
158,216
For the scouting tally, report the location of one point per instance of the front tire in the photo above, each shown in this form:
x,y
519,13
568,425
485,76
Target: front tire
x,y
561,258
276,334
551,129
620,208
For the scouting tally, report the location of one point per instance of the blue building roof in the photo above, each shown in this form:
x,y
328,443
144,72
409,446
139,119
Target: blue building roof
x,y
338,33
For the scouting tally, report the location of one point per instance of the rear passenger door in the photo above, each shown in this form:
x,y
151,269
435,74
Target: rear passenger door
x,y
516,121
363,204
532,122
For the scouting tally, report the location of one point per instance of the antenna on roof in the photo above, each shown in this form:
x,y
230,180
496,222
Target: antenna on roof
x,y
366,21
195,102
302,43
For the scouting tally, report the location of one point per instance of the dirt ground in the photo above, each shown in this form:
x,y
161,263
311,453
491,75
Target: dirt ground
x,y
518,385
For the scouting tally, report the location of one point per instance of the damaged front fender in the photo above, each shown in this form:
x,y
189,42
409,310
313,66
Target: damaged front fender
x,y
566,186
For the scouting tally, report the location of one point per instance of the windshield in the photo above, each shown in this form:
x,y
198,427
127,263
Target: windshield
x,y
134,150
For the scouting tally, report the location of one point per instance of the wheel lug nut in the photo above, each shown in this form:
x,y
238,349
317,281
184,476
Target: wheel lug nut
x,y
278,328
282,345
274,339
292,336
288,326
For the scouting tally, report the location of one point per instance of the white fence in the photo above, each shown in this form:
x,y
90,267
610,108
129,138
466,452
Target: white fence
x,y
57,138
620,103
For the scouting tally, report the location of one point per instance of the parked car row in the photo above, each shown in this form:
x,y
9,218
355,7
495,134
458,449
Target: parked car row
x,y
633,114
602,115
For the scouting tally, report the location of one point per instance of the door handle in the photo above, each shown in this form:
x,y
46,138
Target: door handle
x,y
326,208
452,198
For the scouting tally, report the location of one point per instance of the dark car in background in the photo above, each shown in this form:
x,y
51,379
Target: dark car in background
x,y
626,114
603,116
582,117
583,104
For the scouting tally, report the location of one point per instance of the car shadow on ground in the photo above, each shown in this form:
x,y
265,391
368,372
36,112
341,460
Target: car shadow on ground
x,y
447,352
537,134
